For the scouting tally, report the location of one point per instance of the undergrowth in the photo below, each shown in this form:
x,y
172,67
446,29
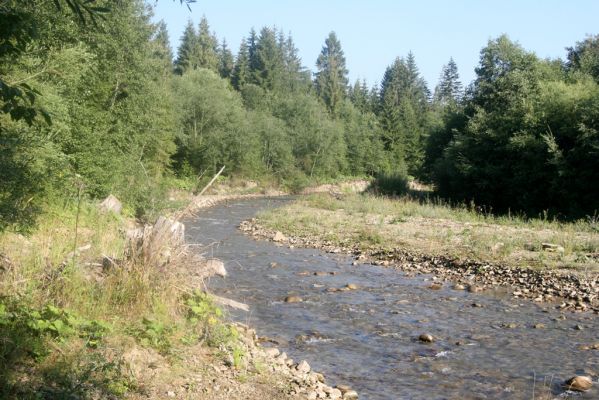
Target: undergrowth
x,y
65,319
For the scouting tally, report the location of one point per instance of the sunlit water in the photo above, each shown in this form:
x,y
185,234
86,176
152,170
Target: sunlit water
x,y
368,338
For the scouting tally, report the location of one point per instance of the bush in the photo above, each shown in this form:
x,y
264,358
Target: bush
x,y
394,184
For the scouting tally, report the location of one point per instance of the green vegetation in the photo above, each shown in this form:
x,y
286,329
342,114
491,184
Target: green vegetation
x,y
87,90
525,137
94,102
66,323
433,227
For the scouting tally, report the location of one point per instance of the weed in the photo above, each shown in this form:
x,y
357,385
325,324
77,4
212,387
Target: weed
x,y
155,334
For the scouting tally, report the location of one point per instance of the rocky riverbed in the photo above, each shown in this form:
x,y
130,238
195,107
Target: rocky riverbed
x,y
569,291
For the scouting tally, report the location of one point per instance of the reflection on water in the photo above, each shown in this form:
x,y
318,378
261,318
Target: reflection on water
x,y
367,338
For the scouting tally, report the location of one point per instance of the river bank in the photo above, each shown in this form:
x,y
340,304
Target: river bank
x,y
471,252
84,311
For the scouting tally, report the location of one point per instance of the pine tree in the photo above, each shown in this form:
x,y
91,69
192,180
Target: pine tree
x,y
403,112
187,52
296,75
358,94
252,43
331,78
449,90
207,47
268,67
241,71
226,63
162,49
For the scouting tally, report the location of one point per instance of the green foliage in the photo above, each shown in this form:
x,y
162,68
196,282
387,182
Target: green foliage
x,y
395,184
331,78
526,139
155,334
25,331
207,317
403,113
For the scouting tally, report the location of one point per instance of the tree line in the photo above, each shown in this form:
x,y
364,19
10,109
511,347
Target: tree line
x,y
105,106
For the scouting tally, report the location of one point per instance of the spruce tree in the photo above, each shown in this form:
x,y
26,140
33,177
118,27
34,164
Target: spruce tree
x,y
268,67
358,94
331,78
187,52
252,43
296,75
449,90
241,71
226,63
207,47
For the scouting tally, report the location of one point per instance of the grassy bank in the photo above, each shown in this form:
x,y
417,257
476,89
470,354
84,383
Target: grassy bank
x,y
434,228
80,319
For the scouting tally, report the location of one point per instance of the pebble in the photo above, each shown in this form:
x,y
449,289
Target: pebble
x,y
475,289
459,286
279,237
293,299
350,395
352,286
303,367
271,352
426,338
579,383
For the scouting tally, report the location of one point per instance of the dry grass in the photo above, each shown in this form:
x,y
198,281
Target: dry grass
x,y
435,228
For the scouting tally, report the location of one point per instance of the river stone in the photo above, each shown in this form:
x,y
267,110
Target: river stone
x,y
579,383
271,352
426,338
217,266
475,289
335,394
343,388
293,299
303,367
279,237
352,286
435,286
459,286
350,395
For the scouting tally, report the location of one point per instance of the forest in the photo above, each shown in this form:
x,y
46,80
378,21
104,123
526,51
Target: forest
x,y
95,102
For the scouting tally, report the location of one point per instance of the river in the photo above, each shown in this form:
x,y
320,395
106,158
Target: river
x,y
486,344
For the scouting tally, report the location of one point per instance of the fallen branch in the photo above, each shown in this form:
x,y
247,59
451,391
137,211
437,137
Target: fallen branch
x,y
230,303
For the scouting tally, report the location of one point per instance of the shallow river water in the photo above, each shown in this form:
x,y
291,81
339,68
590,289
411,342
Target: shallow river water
x,y
367,338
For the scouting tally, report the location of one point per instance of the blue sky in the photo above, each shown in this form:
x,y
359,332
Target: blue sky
x,y
373,33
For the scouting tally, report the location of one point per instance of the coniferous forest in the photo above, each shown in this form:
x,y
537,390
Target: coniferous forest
x,y
94,101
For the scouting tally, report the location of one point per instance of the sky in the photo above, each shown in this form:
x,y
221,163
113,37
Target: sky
x,y
373,33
